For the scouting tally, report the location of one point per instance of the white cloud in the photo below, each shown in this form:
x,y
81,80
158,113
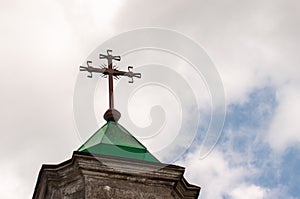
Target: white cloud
x,y
12,186
214,174
228,174
91,21
248,192
284,129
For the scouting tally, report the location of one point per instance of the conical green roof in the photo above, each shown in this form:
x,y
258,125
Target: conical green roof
x,y
114,140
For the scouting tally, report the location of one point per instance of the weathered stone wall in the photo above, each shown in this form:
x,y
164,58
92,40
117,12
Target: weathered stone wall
x,y
109,188
85,177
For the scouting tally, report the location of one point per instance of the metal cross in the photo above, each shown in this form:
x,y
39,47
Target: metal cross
x,y
112,72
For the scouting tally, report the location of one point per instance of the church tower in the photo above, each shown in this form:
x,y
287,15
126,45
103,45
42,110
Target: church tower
x,y
112,163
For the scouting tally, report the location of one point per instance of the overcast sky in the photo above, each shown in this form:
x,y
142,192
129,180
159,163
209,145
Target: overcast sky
x,y
253,44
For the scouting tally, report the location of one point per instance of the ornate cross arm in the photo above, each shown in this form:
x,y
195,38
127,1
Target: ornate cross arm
x,y
107,71
92,69
129,74
112,72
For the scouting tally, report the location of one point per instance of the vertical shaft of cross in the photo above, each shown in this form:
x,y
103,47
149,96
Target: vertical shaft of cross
x,y
110,83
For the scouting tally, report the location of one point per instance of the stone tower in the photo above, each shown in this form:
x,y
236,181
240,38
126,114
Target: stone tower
x,y
113,164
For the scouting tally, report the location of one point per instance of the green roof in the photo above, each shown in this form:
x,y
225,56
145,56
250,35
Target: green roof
x,y
114,140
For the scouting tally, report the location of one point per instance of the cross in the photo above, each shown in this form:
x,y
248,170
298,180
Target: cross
x,y
112,72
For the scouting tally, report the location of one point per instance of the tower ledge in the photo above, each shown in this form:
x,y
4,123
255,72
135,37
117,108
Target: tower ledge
x,y
101,176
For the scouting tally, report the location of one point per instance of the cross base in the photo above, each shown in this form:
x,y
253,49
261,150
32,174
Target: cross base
x,y
112,115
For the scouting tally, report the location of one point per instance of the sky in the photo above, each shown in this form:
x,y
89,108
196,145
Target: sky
x,y
252,44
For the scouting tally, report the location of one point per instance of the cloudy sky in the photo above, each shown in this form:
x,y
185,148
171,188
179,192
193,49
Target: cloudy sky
x,y
253,44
